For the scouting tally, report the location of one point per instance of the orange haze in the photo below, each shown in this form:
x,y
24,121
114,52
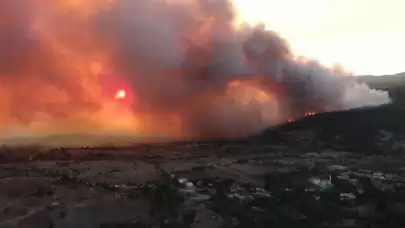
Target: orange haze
x,y
171,67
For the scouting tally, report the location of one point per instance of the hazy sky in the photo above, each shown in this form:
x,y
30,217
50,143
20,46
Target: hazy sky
x,y
364,36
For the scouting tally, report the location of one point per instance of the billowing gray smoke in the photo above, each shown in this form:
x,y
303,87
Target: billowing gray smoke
x,y
183,58
199,38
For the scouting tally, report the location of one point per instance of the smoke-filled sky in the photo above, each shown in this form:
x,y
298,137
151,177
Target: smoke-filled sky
x,y
183,68
365,36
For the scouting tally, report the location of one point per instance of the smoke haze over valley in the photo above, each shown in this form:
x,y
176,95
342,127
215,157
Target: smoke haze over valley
x,y
182,69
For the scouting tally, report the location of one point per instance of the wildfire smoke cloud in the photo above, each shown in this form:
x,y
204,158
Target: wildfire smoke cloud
x,y
186,68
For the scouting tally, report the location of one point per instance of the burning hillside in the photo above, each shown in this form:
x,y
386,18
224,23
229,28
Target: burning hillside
x,y
180,68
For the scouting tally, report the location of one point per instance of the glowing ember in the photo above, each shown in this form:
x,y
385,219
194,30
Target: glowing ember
x,y
121,94
310,113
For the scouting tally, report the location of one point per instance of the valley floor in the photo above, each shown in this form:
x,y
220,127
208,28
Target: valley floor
x,y
202,185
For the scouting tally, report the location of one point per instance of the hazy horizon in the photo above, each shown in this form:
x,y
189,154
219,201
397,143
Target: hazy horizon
x,y
364,36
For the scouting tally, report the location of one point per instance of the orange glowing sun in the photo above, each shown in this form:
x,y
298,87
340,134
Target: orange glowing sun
x,y
120,94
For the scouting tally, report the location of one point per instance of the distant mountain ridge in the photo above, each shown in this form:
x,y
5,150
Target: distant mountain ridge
x,y
393,84
383,82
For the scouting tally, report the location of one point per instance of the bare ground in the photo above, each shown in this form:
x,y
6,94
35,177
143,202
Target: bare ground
x,y
232,184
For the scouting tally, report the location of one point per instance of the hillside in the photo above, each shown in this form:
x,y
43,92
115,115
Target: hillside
x,y
357,129
394,84
384,81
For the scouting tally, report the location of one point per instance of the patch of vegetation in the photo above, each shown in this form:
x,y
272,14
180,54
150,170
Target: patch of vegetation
x,y
166,199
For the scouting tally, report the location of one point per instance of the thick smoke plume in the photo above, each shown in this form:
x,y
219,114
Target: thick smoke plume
x,y
188,69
